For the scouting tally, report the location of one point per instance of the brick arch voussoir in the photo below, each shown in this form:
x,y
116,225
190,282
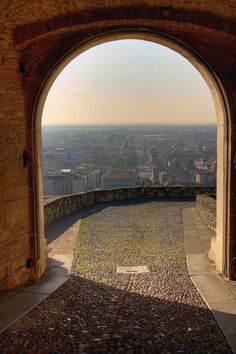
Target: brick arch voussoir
x,y
25,33
40,58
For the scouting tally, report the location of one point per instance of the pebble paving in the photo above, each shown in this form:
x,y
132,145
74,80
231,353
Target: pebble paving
x,y
101,311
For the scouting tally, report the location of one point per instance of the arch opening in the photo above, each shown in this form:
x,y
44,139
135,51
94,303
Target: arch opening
x,y
220,243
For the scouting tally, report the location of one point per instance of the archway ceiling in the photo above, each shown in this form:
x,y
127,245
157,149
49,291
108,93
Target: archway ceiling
x,y
44,32
17,13
30,20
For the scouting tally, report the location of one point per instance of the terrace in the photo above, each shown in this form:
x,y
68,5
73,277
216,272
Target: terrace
x,y
125,283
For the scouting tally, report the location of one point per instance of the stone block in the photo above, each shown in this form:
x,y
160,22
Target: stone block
x,y
2,271
3,284
4,235
26,247
18,263
206,205
16,174
16,192
19,227
8,268
2,167
16,252
2,218
13,242
15,149
15,264
4,255
3,149
8,115
13,281
16,210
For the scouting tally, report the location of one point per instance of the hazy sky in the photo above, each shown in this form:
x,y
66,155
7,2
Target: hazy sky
x,y
129,82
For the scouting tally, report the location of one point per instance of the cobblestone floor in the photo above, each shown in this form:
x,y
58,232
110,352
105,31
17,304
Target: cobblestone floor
x,y
100,311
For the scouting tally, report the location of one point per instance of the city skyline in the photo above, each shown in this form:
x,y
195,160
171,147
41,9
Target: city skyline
x,y
77,159
127,125
102,87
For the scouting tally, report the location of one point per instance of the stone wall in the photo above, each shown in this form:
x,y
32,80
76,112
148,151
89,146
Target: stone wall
x,y
65,205
206,205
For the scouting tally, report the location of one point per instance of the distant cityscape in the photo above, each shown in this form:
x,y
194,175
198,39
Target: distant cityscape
x,y
78,158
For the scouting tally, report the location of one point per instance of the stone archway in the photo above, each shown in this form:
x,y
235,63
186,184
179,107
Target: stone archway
x,y
37,38
219,244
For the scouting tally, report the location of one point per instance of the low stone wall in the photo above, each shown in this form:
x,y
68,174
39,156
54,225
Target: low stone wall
x,y
67,204
206,205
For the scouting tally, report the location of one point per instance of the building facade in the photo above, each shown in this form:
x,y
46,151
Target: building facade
x,y
119,179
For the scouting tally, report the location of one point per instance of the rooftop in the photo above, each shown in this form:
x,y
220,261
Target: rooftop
x,y
119,174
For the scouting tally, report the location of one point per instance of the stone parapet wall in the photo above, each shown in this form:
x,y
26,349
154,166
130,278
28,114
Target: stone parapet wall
x,y
68,204
206,205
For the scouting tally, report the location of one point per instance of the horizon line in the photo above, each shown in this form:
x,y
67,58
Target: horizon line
x,y
131,124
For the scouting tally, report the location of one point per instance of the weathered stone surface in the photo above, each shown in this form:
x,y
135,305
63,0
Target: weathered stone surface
x,y
206,205
66,205
101,311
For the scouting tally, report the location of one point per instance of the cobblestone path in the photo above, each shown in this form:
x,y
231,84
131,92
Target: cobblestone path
x,y
101,311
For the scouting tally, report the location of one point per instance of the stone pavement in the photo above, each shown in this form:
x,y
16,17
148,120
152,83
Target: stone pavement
x,y
218,293
129,291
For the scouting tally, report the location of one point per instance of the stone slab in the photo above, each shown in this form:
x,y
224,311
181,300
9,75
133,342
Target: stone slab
x,y
218,295
17,307
57,273
197,264
131,269
211,288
